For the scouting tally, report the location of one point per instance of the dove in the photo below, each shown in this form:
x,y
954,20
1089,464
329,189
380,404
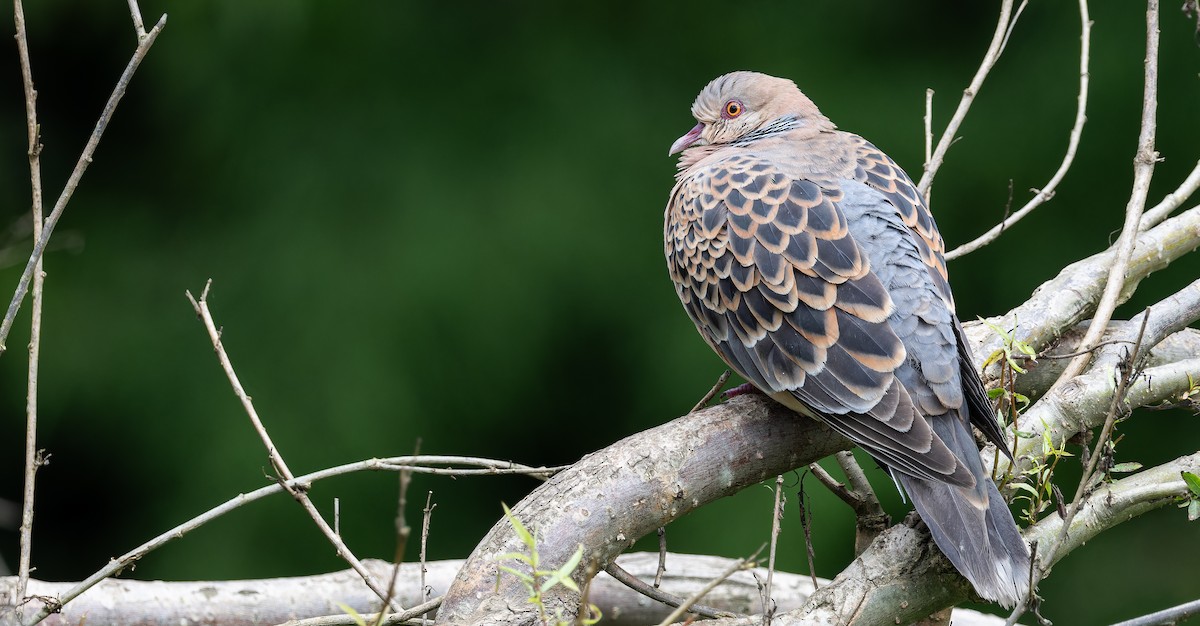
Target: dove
x,y
809,262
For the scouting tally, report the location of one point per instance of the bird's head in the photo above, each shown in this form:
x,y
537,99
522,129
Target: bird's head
x,y
740,103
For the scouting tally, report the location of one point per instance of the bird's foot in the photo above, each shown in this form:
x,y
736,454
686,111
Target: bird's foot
x,y
740,390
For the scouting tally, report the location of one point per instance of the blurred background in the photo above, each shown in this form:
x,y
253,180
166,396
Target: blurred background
x,y
435,221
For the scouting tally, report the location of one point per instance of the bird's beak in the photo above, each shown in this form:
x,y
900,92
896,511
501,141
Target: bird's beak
x,y
690,138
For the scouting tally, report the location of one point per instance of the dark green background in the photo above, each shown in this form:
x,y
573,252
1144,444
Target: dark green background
x,y
443,220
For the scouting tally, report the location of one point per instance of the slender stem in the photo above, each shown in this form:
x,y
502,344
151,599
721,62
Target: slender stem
x,y
654,593
1172,615
1004,25
1047,191
776,518
1153,217
85,159
285,474
136,14
32,458
116,565
1143,169
686,604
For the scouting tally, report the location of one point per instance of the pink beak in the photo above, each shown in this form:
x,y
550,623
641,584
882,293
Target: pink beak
x,y
690,138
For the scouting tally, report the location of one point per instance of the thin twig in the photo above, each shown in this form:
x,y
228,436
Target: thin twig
x,y
662,556
136,14
1003,26
928,128
1116,408
133,556
389,620
1047,191
1155,216
85,159
712,393
402,528
1143,169
299,493
33,459
869,502
740,564
1172,615
1076,353
805,525
776,518
427,512
633,582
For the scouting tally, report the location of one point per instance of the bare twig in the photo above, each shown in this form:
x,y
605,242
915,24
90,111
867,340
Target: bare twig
x,y
377,619
1172,615
806,526
928,128
129,558
712,393
633,582
776,518
136,14
33,459
740,564
857,479
662,556
1153,217
299,493
1004,26
426,513
1047,191
85,159
1143,169
1117,408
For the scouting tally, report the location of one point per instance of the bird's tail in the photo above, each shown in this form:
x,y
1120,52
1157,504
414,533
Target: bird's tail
x,y
975,530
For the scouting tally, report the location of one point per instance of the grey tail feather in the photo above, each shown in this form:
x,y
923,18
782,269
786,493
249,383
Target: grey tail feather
x,y
983,543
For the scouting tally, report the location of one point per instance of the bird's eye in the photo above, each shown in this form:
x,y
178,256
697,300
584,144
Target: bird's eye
x,y
733,108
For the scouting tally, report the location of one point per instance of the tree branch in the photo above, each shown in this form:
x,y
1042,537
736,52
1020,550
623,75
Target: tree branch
x,y
609,499
85,159
1143,171
1047,191
1004,26
276,600
1071,296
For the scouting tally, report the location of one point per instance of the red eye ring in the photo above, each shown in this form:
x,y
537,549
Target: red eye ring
x,y
732,109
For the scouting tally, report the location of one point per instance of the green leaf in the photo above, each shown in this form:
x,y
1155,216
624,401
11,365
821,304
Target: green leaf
x,y
1193,510
1193,483
522,575
563,574
517,556
526,538
348,610
1125,468
1025,487
995,392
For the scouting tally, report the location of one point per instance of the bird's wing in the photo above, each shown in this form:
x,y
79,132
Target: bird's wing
x,y
766,265
927,290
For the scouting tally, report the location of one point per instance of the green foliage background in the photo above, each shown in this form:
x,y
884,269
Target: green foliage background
x,y
443,221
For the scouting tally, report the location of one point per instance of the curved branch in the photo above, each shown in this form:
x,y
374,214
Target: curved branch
x,y
1072,295
611,498
1047,191
902,577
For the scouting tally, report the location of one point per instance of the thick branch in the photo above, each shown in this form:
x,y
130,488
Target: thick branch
x,y
611,498
1070,297
276,600
902,577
